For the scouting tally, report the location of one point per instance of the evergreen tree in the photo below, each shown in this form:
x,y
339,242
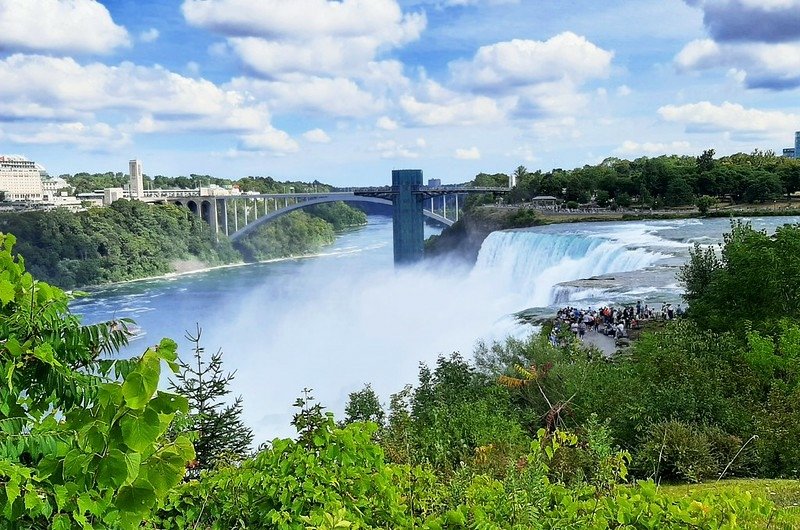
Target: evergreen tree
x,y
221,434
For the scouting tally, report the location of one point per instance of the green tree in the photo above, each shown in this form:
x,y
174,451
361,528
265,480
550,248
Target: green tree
x,y
221,435
363,405
704,203
81,438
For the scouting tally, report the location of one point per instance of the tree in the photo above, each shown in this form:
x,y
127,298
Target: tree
x,y
220,432
81,437
705,162
704,203
756,278
362,406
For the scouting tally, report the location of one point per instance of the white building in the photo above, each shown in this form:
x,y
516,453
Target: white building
x,y
112,194
20,178
136,182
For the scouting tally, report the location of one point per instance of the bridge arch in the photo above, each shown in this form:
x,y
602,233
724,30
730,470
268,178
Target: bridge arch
x,y
322,200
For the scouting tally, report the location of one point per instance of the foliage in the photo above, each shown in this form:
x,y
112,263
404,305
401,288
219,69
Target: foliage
x,y
295,234
127,240
364,406
666,180
81,438
339,215
453,411
220,434
755,278
340,478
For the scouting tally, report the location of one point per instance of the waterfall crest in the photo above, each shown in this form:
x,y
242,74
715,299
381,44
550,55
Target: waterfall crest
x,y
535,262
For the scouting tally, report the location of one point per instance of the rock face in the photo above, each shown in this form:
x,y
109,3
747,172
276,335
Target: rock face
x,y
464,239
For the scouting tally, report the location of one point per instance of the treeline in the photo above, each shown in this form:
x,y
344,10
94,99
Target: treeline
x,y
658,182
132,239
87,182
127,240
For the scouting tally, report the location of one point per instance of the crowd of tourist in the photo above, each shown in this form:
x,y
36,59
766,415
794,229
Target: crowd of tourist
x,y
608,320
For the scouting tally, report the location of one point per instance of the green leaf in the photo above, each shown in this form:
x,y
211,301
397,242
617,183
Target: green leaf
x,y
6,291
132,463
140,431
137,498
167,403
141,384
165,470
113,470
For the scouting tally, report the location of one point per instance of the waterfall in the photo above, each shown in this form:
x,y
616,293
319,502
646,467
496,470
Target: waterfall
x,y
534,262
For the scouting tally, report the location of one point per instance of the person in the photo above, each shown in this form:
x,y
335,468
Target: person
x,y
670,312
620,330
679,311
581,329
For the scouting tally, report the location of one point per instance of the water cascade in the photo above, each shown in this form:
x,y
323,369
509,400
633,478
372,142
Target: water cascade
x,y
534,262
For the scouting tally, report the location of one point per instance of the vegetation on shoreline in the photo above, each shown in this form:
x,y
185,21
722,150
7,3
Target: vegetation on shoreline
x,y
131,240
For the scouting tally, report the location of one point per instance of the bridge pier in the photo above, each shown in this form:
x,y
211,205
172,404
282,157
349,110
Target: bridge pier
x,y
408,222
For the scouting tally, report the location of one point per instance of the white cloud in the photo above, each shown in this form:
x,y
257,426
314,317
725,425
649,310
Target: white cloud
x,y
435,105
630,147
317,37
61,87
317,136
730,117
338,97
761,65
93,137
386,123
272,140
150,35
61,26
624,91
391,149
468,154
505,66
277,19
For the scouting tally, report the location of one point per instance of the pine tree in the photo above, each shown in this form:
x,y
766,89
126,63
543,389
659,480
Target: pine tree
x,y
221,434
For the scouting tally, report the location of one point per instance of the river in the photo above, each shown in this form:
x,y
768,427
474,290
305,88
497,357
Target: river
x,y
346,317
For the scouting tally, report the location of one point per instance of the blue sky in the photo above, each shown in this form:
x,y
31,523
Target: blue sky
x,y
344,91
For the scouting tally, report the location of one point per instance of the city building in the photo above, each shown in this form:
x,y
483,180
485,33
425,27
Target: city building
x,y
20,179
434,183
136,185
53,186
793,152
112,194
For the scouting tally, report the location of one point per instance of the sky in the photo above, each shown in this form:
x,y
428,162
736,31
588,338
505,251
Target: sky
x,y
345,91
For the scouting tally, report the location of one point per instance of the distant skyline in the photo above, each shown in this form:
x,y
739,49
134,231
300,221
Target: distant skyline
x,y
345,91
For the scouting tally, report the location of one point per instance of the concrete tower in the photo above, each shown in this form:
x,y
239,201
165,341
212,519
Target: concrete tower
x,y
409,240
136,182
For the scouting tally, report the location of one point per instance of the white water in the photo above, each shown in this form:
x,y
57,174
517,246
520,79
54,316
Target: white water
x,y
535,262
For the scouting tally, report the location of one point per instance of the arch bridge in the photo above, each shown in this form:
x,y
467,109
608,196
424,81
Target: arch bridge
x,y
238,215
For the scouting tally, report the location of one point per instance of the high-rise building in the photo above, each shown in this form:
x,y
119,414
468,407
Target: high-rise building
x,y
20,179
136,182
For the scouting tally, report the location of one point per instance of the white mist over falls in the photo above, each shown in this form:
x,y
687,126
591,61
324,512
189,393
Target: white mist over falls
x,y
347,317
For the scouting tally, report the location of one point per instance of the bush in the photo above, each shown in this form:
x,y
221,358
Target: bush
x,y
675,450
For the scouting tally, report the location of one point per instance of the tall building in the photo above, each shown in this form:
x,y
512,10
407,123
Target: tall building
x,y
797,144
136,182
20,178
